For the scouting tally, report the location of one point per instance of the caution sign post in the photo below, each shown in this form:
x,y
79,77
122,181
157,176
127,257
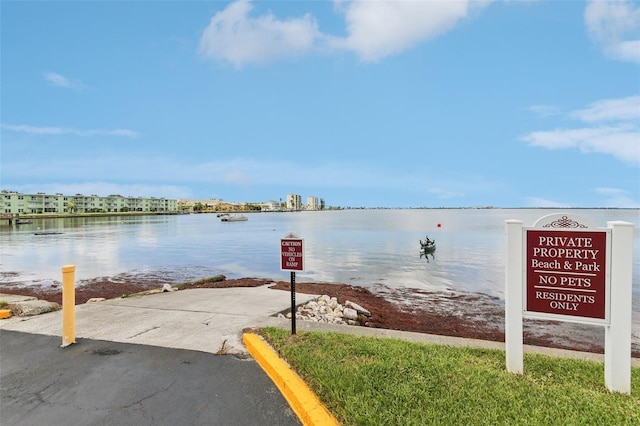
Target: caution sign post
x,y
292,259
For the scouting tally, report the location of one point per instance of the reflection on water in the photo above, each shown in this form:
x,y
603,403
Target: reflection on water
x,y
360,247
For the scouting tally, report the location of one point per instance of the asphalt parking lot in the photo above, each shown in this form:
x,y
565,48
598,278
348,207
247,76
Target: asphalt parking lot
x,y
95,382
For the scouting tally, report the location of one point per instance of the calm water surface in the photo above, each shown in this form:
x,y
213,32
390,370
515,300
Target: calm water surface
x,y
360,247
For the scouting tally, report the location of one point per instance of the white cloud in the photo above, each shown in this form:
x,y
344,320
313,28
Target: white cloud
x,y
375,29
617,197
446,194
34,130
609,197
611,110
611,24
545,203
237,178
61,81
621,142
238,173
614,130
235,37
103,189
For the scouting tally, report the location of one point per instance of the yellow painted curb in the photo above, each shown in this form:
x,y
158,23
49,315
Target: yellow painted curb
x,y
5,313
302,400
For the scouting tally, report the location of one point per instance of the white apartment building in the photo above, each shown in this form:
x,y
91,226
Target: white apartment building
x,y
313,203
271,206
294,202
19,203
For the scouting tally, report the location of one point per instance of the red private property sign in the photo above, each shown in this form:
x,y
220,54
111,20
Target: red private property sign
x,y
292,253
566,271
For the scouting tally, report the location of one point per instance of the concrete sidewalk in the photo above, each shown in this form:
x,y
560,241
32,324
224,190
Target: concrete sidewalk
x,y
212,320
208,320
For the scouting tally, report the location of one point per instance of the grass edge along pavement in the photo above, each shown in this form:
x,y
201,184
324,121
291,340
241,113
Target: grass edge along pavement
x,y
373,381
302,400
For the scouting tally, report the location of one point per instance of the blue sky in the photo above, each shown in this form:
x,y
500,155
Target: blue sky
x,y
363,104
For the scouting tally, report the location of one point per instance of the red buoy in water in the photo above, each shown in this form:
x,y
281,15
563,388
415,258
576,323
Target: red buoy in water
x,y
439,225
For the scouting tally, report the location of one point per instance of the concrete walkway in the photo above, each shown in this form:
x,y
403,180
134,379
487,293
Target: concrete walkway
x,y
207,320
213,320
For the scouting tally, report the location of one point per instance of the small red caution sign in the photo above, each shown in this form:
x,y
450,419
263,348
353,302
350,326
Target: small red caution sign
x,y
292,253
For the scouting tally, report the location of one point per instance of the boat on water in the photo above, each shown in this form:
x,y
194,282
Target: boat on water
x,y
428,246
23,221
234,218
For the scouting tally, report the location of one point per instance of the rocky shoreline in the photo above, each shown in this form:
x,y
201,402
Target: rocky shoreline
x,y
476,316
327,309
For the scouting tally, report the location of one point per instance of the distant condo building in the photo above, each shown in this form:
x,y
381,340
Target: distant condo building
x,y
19,203
313,203
271,206
294,202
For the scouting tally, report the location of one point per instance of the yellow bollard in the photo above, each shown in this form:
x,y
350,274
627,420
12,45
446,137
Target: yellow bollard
x,y
68,305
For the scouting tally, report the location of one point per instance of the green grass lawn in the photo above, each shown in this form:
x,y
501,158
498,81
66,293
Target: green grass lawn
x,y
381,381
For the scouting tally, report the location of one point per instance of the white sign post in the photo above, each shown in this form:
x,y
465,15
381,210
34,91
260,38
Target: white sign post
x,y
565,270
513,298
617,337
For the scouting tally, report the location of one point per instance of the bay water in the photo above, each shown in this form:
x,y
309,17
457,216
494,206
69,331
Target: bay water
x,y
368,248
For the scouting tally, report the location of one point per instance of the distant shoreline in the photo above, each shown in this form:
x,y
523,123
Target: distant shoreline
x,y
175,213
72,215
6,220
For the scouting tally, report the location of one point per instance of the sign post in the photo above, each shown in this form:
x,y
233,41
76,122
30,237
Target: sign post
x,y
292,259
513,327
617,336
567,270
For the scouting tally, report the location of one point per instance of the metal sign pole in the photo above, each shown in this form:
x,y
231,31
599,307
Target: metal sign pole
x,y
292,259
293,302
